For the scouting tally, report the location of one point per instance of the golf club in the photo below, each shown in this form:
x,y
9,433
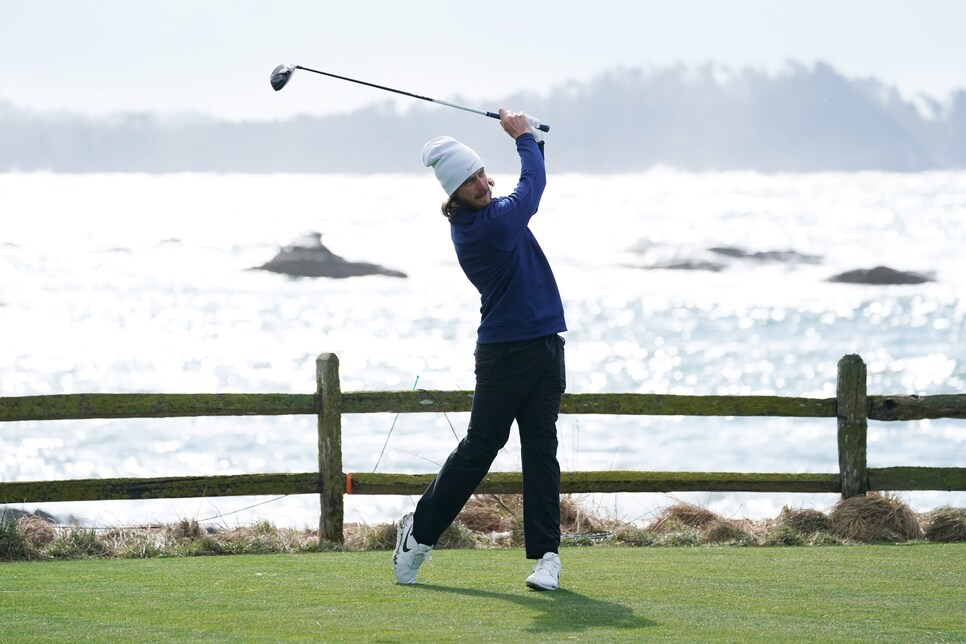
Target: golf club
x,y
284,72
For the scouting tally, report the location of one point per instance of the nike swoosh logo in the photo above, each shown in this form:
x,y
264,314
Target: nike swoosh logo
x,y
405,546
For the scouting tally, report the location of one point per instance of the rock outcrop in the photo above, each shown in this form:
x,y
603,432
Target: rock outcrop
x,y
716,259
881,275
308,257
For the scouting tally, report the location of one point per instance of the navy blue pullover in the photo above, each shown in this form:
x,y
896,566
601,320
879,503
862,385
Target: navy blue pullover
x,y
501,257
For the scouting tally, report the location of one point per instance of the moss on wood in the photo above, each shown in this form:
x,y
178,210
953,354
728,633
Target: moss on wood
x,y
81,406
918,478
158,488
612,481
917,407
611,404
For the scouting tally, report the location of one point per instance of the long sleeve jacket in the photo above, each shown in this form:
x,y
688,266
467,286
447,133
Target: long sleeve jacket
x,y
518,293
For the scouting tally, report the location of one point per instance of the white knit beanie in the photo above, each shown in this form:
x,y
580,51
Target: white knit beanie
x,y
452,162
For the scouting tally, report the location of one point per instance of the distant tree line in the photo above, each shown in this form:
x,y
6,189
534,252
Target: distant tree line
x,y
803,119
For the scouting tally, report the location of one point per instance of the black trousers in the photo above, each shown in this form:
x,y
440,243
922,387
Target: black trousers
x,y
519,381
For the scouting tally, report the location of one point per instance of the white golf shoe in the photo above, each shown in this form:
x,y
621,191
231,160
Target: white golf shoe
x,y
409,555
546,573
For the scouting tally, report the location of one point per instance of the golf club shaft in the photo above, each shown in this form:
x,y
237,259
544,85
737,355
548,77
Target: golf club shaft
x,y
493,115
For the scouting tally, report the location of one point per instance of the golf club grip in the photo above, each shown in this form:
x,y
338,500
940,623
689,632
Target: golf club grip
x,y
543,127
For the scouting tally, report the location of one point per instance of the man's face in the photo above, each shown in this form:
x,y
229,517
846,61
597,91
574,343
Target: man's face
x,y
475,191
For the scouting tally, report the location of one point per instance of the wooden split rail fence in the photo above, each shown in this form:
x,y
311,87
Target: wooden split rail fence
x,y
852,407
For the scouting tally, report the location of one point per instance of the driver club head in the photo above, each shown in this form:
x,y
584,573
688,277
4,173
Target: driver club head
x,y
281,75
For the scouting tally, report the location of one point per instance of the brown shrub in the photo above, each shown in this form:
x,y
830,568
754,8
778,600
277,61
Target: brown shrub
x,y
804,521
576,519
489,513
875,517
457,535
361,537
184,530
723,531
946,525
265,537
686,514
36,532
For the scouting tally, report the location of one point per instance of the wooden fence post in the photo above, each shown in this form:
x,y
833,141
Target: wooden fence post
x,y
853,424
331,477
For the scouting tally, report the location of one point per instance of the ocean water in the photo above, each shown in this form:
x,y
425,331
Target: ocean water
x,y
140,283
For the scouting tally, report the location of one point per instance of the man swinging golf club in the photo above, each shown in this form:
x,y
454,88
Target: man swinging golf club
x,y
520,373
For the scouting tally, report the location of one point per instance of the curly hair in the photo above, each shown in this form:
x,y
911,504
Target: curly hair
x,y
453,205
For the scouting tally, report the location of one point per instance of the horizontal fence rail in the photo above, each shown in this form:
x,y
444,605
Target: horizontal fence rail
x,y
852,408
86,406
889,478
107,406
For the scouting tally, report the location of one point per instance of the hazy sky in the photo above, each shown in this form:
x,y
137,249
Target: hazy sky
x,y
215,56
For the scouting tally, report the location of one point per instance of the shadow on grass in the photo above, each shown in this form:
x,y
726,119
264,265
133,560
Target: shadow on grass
x,y
558,611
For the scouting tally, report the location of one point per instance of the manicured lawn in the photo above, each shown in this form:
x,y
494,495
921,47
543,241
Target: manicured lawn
x,y
837,593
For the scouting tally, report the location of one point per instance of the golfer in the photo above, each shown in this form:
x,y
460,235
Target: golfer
x,y
519,355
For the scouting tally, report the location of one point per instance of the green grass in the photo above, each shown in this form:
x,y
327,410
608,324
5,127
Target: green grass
x,y
855,593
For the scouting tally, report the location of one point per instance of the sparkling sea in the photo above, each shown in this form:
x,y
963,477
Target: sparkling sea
x,y
114,283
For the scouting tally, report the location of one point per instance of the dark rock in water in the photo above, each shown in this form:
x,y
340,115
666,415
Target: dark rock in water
x,y
308,257
788,256
881,275
688,265
667,257
718,258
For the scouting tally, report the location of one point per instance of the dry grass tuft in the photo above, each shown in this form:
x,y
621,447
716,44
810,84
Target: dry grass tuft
x,y
37,533
725,531
501,517
79,543
875,517
360,537
490,521
488,513
184,530
692,516
804,521
576,519
631,535
946,525
457,535
264,537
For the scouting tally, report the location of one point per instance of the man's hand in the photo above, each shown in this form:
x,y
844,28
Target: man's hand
x,y
514,123
535,129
